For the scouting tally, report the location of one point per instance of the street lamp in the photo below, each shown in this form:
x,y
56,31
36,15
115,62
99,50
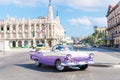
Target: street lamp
x,y
34,42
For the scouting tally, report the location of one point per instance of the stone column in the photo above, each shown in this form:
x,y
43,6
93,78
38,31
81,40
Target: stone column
x,y
53,42
29,43
34,41
39,34
11,44
17,43
45,42
5,32
23,31
48,31
51,32
11,31
17,31
23,43
29,30
35,29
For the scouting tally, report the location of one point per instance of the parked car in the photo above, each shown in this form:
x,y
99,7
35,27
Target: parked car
x,y
61,56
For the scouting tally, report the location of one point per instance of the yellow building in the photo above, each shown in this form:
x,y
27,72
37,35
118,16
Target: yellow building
x,y
113,21
20,32
100,29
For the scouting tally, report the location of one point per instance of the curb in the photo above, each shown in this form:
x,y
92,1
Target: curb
x,y
116,49
114,65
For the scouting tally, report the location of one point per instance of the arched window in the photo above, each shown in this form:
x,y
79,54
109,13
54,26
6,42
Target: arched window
x,y
26,43
19,43
14,44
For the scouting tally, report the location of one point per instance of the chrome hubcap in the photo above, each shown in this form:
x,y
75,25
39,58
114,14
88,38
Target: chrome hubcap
x,y
36,62
59,66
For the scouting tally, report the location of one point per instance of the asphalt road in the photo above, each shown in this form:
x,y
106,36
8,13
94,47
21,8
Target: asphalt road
x,y
20,67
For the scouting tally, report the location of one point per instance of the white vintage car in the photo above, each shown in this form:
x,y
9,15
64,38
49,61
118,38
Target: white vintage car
x,y
61,56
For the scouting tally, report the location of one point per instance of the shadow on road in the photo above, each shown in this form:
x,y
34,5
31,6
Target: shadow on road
x,y
45,68
103,65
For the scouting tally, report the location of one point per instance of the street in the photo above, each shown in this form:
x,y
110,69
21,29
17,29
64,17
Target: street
x,y
19,67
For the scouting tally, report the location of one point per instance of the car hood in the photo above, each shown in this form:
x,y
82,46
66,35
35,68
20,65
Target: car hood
x,y
64,53
75,53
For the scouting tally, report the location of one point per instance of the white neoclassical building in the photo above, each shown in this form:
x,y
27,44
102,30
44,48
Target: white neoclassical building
x,y
24,32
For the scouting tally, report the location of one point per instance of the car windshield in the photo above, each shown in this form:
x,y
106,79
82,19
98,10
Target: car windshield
x,y
62,48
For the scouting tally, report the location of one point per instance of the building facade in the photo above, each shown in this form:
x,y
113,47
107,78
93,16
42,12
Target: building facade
x,y
23,32
100,29
104,34
113,21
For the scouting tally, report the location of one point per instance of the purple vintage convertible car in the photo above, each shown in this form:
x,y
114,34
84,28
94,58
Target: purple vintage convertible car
x,y
61,56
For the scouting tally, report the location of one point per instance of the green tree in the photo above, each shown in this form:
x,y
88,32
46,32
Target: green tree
x,y
91,40
96,38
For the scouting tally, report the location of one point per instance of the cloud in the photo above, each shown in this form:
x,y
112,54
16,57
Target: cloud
x,y
86,5
100,21
80,21
19,2
90,5
88,21
27,2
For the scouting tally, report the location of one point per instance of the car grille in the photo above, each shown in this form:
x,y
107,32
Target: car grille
x,y
78,59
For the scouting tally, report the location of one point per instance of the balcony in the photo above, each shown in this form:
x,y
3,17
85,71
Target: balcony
x,y
117,35
115,25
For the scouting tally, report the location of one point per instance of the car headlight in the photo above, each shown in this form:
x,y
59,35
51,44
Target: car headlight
x,y
68,57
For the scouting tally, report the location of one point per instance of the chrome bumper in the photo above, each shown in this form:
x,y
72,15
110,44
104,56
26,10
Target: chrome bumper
x,y
76,63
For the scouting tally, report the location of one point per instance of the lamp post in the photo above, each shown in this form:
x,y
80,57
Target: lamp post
x,y
34,42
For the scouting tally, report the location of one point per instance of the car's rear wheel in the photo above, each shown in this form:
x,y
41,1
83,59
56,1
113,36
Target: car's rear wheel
x,y
37,63
83,67
58,65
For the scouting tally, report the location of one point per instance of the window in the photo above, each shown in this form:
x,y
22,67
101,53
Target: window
x,y
2,28
13,27
37,25
8,28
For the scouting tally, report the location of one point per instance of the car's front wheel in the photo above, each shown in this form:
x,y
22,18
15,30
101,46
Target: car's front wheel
x,y
37,63
83,67
58,65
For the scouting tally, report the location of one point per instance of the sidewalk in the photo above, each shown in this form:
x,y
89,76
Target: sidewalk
x,y
110,48
13,51
100,57
105,60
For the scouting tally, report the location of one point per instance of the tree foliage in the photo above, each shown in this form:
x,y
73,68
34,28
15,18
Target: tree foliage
x,y
96,38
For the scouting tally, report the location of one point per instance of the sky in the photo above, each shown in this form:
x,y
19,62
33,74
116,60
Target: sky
x,y
78,17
